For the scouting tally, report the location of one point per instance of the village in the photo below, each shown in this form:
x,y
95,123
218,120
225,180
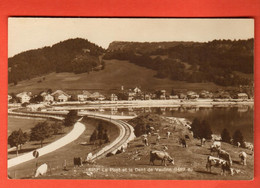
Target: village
x,y
134,94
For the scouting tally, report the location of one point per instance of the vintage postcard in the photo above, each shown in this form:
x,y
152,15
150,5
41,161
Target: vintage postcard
x,y
131,98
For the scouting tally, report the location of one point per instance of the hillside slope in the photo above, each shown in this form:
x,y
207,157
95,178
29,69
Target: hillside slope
x,y
73,55
116,74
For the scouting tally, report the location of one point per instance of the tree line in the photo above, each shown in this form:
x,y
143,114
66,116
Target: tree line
x,y
214,61
73,55
40,131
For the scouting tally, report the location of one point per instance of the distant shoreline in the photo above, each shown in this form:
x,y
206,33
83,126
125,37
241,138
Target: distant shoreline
x,y
158,103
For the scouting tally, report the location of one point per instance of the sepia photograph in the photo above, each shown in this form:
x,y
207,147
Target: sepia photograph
x,y
130,98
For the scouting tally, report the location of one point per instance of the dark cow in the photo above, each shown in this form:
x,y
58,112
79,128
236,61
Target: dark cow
x,y
217,162
162,156
77,161
182,141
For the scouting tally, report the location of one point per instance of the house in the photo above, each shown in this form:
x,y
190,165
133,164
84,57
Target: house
x,y
182,96
9,97
192,95
43,94
173,97
94,95
137,90
205,94
222,95
48,98
131,95
242,96
84,96
147,96
163,94
101,97
24,97
60,96
113,97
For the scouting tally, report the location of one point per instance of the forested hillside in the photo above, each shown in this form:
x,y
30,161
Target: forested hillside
x,y
73,55
224,62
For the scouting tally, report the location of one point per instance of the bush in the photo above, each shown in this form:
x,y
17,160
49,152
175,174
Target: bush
x,y
71,118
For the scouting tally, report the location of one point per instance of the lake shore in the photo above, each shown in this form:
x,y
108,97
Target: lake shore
x,y
157,103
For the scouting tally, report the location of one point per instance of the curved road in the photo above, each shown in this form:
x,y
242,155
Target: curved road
x,y
77,130
126,134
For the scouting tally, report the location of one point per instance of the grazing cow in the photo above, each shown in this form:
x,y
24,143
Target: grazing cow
x,y
216,144
242,155
145,141
158,139
249,146
77,161
182,141
89,157
238,144
203,141
162,156
41,170
168,134
224,155
216,162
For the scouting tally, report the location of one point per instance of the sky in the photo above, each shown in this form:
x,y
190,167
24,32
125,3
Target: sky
x,y
32,33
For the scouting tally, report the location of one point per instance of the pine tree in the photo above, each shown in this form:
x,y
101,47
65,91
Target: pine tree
x,y
225,136
238,137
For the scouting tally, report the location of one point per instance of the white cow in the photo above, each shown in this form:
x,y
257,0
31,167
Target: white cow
x,y
89,157
41,170
217,162
216,144
168,134
242,155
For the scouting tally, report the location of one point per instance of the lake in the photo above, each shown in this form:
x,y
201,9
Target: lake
x,y
232,118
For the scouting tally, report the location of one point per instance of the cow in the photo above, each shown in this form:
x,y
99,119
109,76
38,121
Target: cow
x,y
168,134
163,156
224,155
215,147
242,155
89,157
217,162
182,141
216,144
158,139
145,141
203,141
77,161
41,170
249,146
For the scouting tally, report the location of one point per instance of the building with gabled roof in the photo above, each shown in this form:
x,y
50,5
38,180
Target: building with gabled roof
x,y
60,96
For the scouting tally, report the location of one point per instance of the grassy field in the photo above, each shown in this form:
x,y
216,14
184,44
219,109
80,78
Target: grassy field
x,y
56,159
115,74
24,123
190,162
15,123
